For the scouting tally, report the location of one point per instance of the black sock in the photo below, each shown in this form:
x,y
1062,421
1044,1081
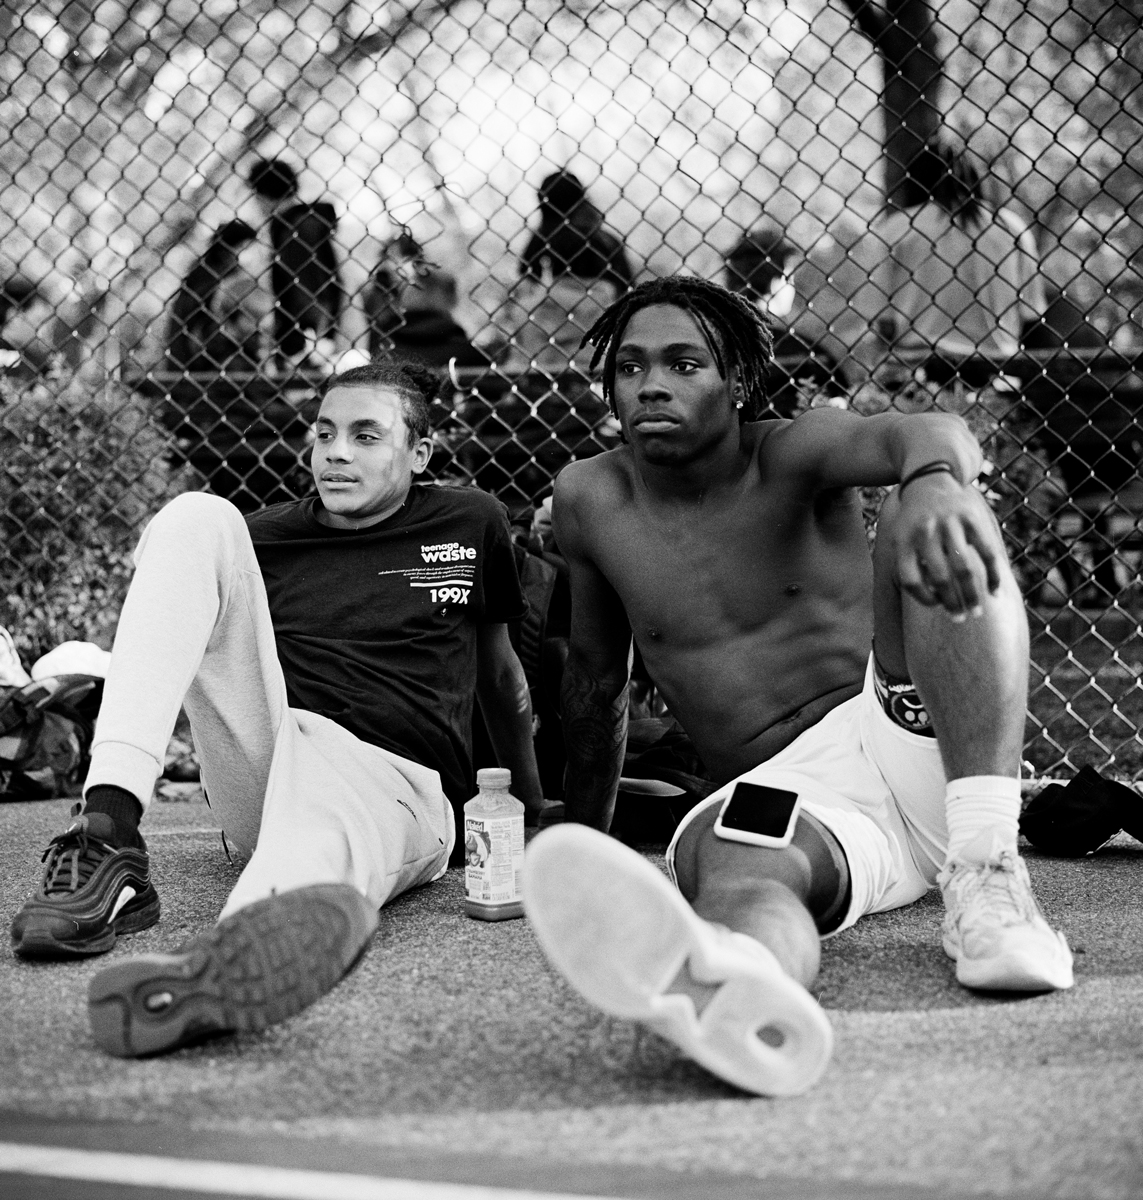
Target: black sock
x,y
122,807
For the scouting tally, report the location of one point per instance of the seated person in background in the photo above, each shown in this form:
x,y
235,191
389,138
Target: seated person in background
x,y
944,274
232,422
409,305
297,238
758,268
571,270
218,315
571,240
734,552
329,683
52,320
25,337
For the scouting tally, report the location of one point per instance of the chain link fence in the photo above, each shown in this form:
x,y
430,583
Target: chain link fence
x,y
205,207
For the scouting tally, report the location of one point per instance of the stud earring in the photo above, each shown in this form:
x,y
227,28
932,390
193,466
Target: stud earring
x,y
738,404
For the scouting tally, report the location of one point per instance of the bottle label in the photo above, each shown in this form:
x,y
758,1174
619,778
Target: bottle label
x,y
493,858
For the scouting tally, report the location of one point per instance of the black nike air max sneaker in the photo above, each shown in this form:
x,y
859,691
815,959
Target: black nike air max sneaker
x,y
91,892
263,964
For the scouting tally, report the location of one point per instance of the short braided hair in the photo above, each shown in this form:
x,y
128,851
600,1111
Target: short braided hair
x,y
738,334
416,384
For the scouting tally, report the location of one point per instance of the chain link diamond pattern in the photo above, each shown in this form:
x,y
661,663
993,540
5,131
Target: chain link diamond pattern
x,y
206,206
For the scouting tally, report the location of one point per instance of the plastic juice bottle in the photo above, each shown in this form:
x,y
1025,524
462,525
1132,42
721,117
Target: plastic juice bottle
x,y
493,848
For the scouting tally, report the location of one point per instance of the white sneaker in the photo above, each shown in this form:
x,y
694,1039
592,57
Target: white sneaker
x,y
614,926
993,927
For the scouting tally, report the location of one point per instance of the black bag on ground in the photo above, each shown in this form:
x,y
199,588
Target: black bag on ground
x,y
658,750
1072,821
46,728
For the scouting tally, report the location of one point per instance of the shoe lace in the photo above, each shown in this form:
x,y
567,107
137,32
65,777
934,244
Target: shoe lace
x,y
72,858
995,889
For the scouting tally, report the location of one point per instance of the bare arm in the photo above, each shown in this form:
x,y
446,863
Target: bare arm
x,y
594,692
502,691
949,548
836,449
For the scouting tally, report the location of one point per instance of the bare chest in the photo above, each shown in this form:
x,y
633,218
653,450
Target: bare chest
x,y
702,576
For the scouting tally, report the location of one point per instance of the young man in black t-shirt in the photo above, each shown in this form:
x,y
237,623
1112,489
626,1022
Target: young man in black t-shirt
x,y
327,652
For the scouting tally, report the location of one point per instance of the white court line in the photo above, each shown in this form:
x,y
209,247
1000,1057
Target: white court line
x,y
240,1179
190,832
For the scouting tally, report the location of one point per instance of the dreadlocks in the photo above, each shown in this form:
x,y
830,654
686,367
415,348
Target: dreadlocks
x,y
735,330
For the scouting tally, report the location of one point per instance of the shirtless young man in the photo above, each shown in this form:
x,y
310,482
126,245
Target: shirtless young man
x,y
328,662
734,551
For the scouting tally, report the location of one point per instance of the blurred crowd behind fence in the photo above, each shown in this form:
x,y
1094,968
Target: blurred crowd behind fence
x,y
204,205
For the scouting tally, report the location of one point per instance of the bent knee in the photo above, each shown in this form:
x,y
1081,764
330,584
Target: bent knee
x,y
195,515
199,507
706,862
196,525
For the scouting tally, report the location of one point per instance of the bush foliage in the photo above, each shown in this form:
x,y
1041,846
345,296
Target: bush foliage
x,y
82,469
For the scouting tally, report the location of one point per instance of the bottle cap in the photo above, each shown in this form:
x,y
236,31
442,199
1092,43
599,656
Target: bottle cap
x,y
493,777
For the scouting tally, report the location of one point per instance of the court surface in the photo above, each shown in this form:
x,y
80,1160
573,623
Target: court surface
x,y
453,1065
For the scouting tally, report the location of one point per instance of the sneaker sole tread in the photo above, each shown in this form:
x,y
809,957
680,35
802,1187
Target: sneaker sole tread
x,y
260,966
619,932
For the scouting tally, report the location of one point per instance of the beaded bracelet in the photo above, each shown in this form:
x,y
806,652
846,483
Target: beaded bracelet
x,y
930,468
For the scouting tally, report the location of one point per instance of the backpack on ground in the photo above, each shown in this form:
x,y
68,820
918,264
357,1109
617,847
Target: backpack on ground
x,y
46,727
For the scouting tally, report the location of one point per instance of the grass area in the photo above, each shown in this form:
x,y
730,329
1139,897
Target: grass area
x,y
82,469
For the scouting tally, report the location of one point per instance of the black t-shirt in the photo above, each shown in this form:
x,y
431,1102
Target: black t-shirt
x,y
376,628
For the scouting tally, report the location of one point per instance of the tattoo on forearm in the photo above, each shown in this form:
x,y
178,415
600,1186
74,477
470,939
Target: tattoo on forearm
x,y
595,732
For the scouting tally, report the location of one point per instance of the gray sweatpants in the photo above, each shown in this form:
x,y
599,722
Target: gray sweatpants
x,y
305,798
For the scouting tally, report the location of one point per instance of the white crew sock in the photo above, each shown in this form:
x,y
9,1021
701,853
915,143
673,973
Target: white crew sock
x,y
978,803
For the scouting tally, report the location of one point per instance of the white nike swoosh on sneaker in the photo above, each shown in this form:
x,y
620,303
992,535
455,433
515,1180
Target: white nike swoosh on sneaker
x,y
128,893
